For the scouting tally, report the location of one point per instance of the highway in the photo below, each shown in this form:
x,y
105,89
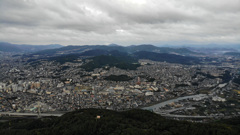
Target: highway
x,y
166,113
30,114
184,116
162,104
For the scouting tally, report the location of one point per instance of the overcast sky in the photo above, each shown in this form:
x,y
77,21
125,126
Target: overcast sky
x,y
124,22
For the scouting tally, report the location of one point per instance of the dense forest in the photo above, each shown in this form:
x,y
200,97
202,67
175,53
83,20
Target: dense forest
x,y
171,58
235,54
123,62
133,122
237,80
104,56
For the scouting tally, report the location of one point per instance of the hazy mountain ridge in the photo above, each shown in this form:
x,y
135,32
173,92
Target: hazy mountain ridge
x,y
127,49
213,50
56,49
8,47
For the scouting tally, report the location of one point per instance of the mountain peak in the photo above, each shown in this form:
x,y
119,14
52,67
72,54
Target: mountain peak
x,y
113,44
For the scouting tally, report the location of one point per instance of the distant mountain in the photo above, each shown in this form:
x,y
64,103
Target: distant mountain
x,y
98,52
8,47
101,58
73,57
34,48
145,47
128,49
107,122
152,48
207,50
113,45
78,49
210,46
171,58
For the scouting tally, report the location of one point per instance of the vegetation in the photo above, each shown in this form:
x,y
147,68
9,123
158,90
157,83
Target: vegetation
x,y
181,85
205,74
237,80
129,49
99,52
79,49
73,57
165,57
64,58
133,122
226,77
235,54
152,48
124,62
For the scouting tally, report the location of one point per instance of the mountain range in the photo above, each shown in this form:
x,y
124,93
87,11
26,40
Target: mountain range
x,y
8,47
125,49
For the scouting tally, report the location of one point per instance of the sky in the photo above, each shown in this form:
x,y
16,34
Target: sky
x,y
124,22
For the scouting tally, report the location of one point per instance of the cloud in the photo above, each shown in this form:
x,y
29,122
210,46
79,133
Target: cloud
x,y
120,21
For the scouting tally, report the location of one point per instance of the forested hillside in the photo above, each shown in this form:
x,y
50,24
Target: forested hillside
x,y
133,122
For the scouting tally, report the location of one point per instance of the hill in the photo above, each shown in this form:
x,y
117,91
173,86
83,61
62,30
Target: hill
x,y
171,58
78,49
123,62
98,52
8,47
235,54
128,49
133,122
152,48
101,58
75,56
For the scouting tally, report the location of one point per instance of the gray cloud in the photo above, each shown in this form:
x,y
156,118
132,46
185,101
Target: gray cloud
x,y
120,21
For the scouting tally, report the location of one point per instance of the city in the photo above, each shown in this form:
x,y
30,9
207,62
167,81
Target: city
x,y
67,87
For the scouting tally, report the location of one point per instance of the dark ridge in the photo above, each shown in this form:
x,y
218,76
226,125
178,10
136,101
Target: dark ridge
x,y
123,62
134,122
235,54
128,49
165,57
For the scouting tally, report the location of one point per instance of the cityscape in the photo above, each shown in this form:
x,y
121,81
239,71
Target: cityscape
x,y
65,87
119,67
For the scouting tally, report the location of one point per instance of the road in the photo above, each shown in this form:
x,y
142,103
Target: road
x,y
162,104
166,113
30,114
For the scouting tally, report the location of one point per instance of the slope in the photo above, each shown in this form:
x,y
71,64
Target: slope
x,y
133,122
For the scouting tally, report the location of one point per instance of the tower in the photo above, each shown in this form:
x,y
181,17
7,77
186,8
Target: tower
x,y
139,81
39,111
